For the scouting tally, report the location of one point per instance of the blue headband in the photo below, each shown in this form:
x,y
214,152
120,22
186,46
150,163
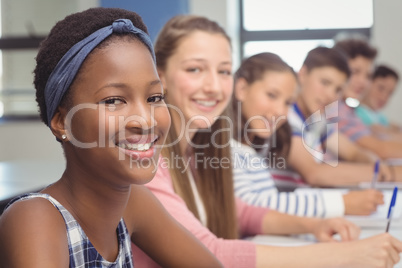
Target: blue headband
x,y
66,69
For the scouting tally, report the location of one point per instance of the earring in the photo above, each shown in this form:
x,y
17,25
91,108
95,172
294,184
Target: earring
x,y
64,136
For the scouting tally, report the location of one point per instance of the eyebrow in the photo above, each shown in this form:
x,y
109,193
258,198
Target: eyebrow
x,y
275,90
193,59
204,60
226,62
155,82
122,85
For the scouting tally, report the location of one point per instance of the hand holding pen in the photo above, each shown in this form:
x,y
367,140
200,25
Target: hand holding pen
x,y
375,176
391,208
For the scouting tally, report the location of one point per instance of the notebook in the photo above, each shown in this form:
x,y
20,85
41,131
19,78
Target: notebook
x,y
378,218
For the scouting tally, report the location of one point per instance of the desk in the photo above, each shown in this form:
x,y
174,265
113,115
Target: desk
x,y
19,177
302,240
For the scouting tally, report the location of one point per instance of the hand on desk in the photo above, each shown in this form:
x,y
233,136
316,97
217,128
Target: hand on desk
x,y
325,229
377,251
362,202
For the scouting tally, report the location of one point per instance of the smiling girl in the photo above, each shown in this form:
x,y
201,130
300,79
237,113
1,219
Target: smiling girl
x,y
99,93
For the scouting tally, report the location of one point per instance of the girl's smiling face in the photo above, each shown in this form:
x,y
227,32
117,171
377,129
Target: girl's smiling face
x,y
119,119
198,78
265,102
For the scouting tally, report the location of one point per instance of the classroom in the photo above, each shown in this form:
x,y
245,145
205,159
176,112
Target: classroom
x,y
355,196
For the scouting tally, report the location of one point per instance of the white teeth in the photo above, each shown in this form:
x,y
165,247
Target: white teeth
x,y
136,146
206,103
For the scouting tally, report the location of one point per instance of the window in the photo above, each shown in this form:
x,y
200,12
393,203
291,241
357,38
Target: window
x,y
291,28
23,24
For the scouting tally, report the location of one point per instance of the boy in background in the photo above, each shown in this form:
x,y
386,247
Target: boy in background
x,y
361,57
384,83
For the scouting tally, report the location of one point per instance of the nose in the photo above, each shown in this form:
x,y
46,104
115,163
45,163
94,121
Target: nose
x,y
363,81
383,96
332,95
281,109
140,117
212,83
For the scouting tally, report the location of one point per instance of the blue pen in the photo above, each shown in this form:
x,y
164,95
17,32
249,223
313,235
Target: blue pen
x,y
375,177
391,207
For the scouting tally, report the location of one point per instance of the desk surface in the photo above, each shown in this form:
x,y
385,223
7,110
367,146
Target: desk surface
x,y
302,240
18,177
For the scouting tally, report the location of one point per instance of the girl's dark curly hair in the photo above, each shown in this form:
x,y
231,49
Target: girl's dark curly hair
x,y
65,34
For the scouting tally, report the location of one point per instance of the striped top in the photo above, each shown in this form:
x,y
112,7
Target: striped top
x,y
82,252
350,124
254,184
314,130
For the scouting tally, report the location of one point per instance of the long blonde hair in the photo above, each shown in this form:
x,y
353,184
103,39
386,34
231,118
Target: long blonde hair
x,y
215,185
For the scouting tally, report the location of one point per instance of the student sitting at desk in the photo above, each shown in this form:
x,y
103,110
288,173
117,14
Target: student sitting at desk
x,y
265,87
94,68
314,130
194,179
360,60
383,85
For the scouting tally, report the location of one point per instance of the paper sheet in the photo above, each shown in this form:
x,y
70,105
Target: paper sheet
x,y
378,218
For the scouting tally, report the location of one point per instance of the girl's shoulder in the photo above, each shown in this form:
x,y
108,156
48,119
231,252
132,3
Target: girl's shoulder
x,y
29,225
32,211
32,207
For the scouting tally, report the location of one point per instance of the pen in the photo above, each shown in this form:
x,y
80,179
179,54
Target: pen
x,y
375,177
391,208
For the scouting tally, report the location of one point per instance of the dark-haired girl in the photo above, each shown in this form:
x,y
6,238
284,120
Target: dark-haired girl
x,y
99,93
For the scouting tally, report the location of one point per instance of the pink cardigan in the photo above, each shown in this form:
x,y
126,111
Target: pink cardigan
x,y
232,253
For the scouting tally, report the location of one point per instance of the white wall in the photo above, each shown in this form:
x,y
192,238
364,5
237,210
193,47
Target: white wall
x,y
30,140
224,12
388,39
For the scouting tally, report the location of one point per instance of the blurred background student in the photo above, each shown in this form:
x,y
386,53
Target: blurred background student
x,y
384,82
319,153
265,89
361,57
